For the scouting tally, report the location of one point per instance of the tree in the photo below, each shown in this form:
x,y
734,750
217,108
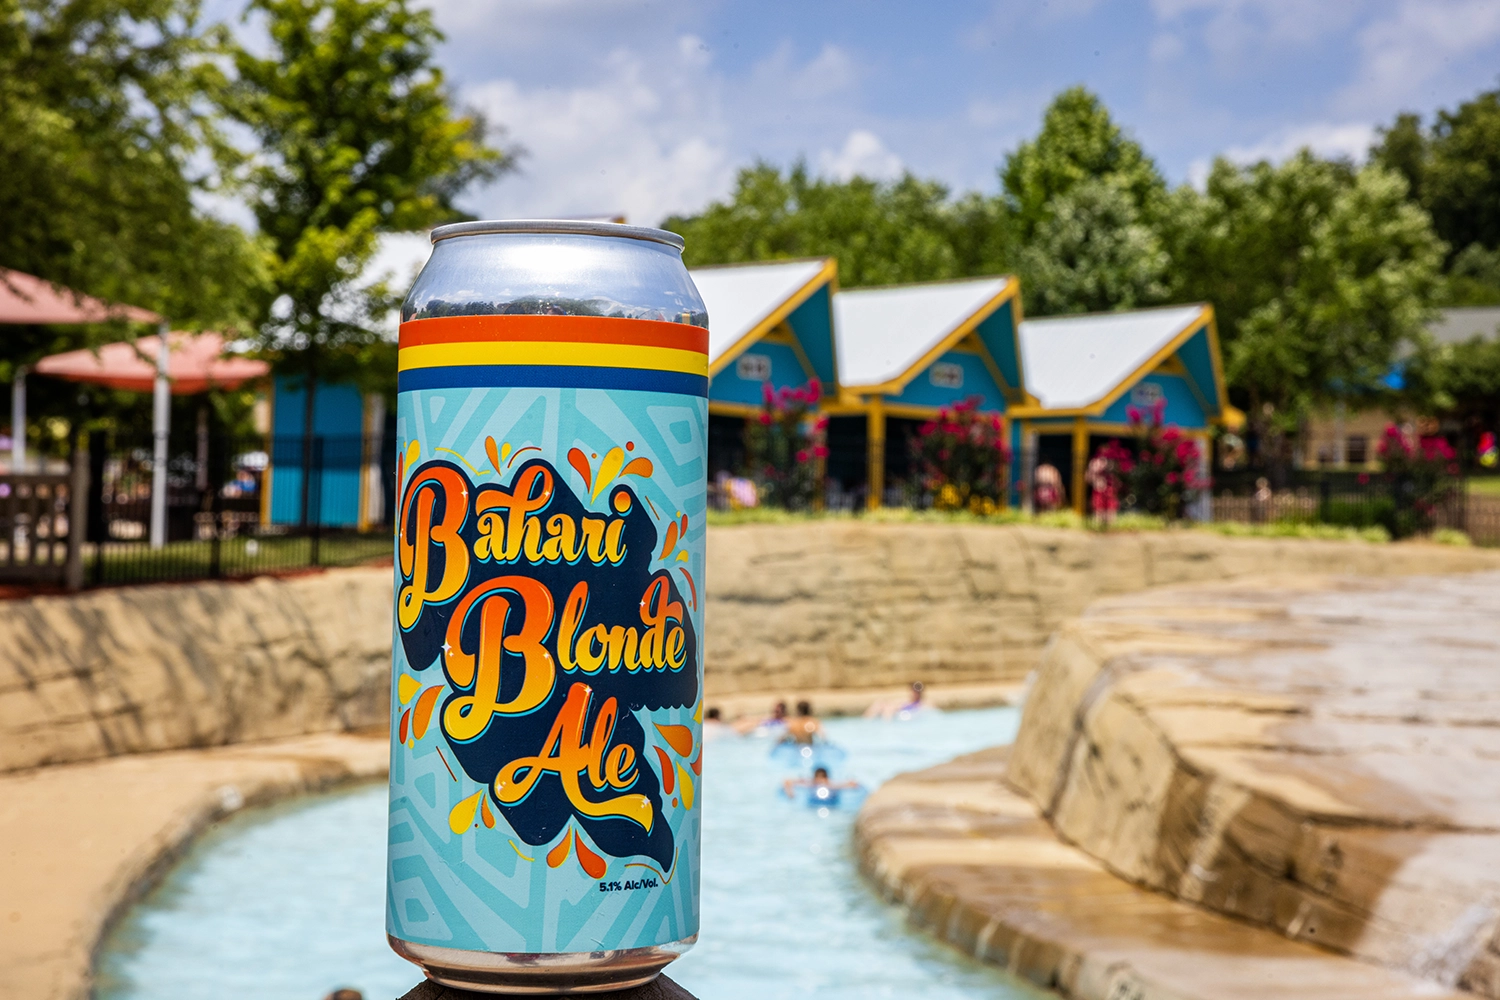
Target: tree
x,y
1079,141
1092,253
1084,201
356,136
1318,273
1461,380
102,113
881,233
1453,169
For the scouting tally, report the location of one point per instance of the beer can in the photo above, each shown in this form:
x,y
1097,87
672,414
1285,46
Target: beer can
x,y
547,682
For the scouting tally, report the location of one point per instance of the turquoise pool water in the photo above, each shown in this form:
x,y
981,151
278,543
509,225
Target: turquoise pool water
x,y
287,903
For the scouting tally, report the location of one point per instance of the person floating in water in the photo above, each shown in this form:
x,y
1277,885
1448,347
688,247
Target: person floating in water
x,y
805,729
714,726
776,720
900,708
821,785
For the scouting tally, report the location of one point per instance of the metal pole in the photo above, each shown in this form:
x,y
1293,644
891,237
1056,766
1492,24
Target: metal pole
x,y
18,421
78,515
161,398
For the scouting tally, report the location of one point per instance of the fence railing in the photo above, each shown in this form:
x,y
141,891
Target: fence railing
x,y
235,507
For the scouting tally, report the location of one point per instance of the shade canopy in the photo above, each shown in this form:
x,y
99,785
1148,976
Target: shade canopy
x,y
197,363
28,299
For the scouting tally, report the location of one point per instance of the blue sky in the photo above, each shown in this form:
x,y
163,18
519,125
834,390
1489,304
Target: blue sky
x,y
649,106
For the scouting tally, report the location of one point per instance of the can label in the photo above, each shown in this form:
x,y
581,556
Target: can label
x,y
546,706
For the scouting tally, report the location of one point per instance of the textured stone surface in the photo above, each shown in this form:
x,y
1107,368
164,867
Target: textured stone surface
x,y
820,605
1317,757
126,670
850,604
80,842
977,866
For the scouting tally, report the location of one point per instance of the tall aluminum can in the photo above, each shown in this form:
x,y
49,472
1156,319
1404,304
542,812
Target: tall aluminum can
x,y
547,681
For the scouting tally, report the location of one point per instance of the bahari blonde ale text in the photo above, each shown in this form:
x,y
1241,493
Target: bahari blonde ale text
x,y
547,684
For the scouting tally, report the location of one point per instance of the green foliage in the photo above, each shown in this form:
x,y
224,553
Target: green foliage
x,y
1079,142
881,233
1093,252
1453,169
356,136
1318,273
1461,380
103,107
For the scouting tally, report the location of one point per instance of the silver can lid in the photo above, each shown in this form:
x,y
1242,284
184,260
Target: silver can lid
x,y
568,226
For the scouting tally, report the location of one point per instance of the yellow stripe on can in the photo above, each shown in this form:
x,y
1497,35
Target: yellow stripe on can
x,y
553,353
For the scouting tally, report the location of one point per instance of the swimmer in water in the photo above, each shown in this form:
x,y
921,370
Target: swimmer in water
x,y
819,779
714,726
903,709
776,720
805,728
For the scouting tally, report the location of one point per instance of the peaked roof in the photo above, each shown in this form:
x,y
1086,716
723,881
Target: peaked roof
x,y
745,299
1077,361
28,299
883,332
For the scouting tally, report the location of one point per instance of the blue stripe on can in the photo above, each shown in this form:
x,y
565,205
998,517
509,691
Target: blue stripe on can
x,y
550,377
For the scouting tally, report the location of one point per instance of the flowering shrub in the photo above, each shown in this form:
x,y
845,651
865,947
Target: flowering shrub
x,y
784,446
1422,473
961,459
1162,476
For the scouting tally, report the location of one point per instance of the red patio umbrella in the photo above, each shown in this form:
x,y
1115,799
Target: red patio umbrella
x,y
196,363
28,299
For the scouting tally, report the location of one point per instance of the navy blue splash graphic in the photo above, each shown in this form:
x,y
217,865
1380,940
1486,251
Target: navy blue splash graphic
x,y
552,630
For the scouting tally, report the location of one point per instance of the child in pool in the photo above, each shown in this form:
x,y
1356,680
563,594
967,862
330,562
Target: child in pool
x,y
819,779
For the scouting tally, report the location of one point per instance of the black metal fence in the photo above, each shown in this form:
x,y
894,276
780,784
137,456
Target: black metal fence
x,y
236,507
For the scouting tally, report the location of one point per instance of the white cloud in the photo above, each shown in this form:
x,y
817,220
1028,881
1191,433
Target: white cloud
x,y
643,139
1351,140
1235,27
1417,44
863,154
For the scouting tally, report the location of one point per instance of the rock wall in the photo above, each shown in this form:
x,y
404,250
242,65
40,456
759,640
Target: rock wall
x,y
846,604
833,604
164,667
1314,756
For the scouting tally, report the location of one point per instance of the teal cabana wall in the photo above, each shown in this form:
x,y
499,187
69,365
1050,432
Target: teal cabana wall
x,y
1087,373
338,454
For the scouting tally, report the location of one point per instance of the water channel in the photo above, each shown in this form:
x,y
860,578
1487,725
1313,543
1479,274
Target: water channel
x,y
287,902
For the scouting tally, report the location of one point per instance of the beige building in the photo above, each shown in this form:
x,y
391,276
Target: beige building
x,y
1346,437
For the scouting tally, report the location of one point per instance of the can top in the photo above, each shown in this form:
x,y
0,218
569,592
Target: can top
x,y
576,227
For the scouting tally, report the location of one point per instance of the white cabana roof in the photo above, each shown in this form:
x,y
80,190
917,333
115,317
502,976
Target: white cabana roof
x,y
741,297
1075,361
883,332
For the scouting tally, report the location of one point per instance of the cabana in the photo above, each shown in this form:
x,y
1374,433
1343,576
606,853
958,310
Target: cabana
x,y
906,352
768,325
1086,372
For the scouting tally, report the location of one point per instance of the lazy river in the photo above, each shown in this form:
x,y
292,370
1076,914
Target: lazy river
x,y
288,902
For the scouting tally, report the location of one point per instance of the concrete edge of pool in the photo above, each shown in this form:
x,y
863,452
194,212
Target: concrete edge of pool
x,y
975,864
101,834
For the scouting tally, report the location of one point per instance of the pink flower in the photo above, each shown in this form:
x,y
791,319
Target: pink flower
x,y
765,419
814,390
1364,478
820,450
766,393
802,455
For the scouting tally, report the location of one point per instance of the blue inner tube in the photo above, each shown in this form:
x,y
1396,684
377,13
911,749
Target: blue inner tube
x,y
807,755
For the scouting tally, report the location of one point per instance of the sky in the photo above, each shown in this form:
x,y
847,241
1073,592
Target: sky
x,y
648,107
